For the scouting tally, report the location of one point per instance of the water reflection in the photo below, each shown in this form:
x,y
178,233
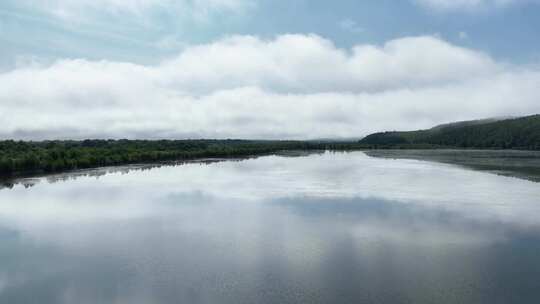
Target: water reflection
x,y
28,182
520,164
331,228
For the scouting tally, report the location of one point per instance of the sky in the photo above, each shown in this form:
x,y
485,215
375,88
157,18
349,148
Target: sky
x,y
262,69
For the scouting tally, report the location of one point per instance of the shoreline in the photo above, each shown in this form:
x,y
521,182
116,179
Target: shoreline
x,y
440,155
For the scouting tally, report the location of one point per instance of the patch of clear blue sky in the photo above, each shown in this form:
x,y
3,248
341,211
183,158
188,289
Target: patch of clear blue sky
x,y
509,34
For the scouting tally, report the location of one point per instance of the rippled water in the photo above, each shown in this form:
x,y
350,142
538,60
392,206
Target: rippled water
x,y
323,228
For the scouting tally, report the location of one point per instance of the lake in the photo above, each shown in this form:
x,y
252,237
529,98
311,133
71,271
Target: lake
x,y
306,228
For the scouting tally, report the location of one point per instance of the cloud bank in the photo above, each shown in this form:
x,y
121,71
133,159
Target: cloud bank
x,y
292,86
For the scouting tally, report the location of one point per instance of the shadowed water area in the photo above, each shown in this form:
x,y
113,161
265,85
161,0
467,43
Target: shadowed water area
x,y
318,228
520,164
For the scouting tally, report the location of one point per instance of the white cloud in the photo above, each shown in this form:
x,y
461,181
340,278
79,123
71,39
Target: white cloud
x,y
170,43
469,5
294,86
309,63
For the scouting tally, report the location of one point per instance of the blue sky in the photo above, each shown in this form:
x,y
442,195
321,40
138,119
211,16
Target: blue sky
x,y
487,39
509,32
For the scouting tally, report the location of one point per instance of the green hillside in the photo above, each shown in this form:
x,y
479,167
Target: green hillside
x,y
515,133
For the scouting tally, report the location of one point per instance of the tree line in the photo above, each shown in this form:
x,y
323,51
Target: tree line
x,y
29,157
518,133
32,157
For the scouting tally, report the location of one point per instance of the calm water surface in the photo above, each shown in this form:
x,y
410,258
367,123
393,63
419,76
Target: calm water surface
x,y
325,228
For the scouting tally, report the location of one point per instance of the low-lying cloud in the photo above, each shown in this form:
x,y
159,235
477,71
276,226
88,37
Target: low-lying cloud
x,y
292,86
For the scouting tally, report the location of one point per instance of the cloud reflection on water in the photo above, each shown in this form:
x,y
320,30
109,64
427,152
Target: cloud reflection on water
x,y
322,228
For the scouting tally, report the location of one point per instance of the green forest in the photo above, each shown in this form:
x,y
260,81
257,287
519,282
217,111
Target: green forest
x,y
24,158
35,157
518,133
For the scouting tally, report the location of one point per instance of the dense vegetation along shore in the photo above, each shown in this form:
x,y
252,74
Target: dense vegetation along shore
x,y
25,158
517,133
18,158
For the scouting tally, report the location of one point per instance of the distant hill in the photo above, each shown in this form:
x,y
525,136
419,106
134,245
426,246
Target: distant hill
x,y
513,133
